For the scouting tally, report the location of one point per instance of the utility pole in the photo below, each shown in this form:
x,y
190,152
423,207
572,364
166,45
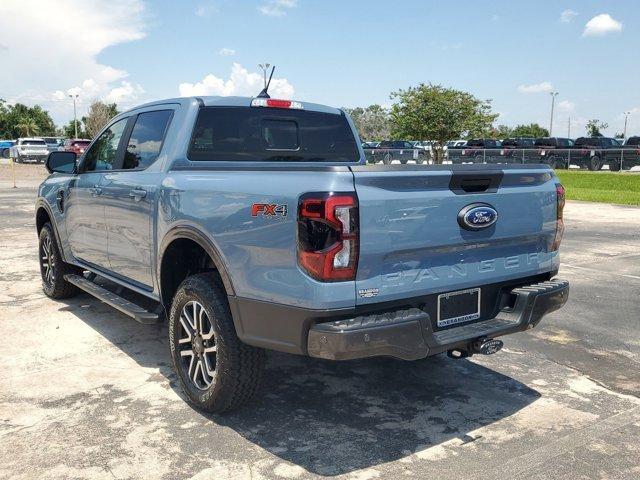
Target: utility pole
x,y
624,132
569,128
553,102
75,121
264,67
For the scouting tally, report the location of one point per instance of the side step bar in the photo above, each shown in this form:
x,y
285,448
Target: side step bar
x,y
136,312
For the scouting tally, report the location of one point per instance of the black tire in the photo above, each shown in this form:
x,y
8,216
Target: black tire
x,y
478,159
18,159
5,153
52,268
594,163
387,159
238,367
614,166
421,158
552,162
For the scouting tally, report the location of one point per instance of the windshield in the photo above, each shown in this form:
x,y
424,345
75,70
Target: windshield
x,y
270,134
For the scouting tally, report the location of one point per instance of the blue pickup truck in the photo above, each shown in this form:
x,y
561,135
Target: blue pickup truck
x,y
255,223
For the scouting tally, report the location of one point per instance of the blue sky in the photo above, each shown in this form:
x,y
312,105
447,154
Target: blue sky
x,y
342,53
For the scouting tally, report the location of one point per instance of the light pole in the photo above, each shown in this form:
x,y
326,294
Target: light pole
x,y
553,102
624,132
75,121
569,128
264,67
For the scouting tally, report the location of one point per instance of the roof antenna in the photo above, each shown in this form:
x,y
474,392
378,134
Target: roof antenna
x,y
263,93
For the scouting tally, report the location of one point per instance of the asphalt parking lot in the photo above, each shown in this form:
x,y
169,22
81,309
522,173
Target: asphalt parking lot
x,y
85,392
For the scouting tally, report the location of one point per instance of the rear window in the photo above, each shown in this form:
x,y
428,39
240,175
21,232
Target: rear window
x,y
269,134
33,142
592,142
545,142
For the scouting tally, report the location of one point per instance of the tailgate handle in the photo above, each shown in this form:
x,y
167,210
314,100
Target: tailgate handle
x,y
475,182
473,185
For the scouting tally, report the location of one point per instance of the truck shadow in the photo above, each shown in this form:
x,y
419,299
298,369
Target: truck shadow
x,y
332,418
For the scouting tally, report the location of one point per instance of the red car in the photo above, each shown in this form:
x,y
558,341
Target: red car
x,y
76,145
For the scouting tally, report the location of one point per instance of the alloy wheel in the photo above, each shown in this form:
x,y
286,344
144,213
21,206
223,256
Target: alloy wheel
x,y
47,261
197,345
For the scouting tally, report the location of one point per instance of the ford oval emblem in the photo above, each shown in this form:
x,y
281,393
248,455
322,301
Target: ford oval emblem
x,y
477,216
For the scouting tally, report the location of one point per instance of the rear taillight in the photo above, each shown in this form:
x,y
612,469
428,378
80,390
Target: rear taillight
x,y
328,234
560,200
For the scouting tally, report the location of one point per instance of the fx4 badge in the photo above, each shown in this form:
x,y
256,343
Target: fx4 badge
x,y
268,210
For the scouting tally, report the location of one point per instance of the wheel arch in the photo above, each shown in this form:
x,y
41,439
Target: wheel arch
x,y
172,247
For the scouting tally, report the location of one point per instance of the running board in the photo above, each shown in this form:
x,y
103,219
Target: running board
x,y
136,312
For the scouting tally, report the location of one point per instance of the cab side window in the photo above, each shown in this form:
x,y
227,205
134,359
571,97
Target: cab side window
x,y
103,154
145,142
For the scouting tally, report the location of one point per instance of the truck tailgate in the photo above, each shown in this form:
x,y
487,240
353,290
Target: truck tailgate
x,y
413,245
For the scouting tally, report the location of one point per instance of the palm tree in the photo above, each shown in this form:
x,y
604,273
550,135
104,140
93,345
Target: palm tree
x,y
27,127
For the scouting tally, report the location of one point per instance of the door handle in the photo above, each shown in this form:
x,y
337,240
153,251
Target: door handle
x,y
95,190
138,193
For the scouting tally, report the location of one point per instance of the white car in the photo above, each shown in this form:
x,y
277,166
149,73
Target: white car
x,y
30,150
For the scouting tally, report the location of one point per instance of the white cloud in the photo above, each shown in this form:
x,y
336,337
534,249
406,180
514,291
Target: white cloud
x,y
241,82
205,10
53,49
226,52
567,16
536,87
566,106
276,8
601,25
125,93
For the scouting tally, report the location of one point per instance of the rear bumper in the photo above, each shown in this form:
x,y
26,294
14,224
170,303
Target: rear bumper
x,y
405,328
408,334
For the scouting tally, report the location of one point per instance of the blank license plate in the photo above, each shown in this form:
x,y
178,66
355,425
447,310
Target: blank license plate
x,y
458,307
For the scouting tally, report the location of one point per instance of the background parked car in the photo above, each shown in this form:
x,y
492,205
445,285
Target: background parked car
x,y
5,148
594,152
629,155
30,150
54,144
76,145
402,150
513,149
390,150
554,151
474,151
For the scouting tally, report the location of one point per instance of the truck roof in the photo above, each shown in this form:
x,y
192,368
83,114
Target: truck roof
x,y
217,101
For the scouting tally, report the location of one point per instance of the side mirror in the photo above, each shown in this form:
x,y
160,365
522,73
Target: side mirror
x,y
61,162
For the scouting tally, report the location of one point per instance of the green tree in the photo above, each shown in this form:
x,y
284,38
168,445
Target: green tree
x,y
372,122
27,127
20,120
532,130
436,113
503,131
99,115
595,126
68,130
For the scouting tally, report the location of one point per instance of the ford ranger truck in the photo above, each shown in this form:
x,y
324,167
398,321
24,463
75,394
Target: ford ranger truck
x,y
254,224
